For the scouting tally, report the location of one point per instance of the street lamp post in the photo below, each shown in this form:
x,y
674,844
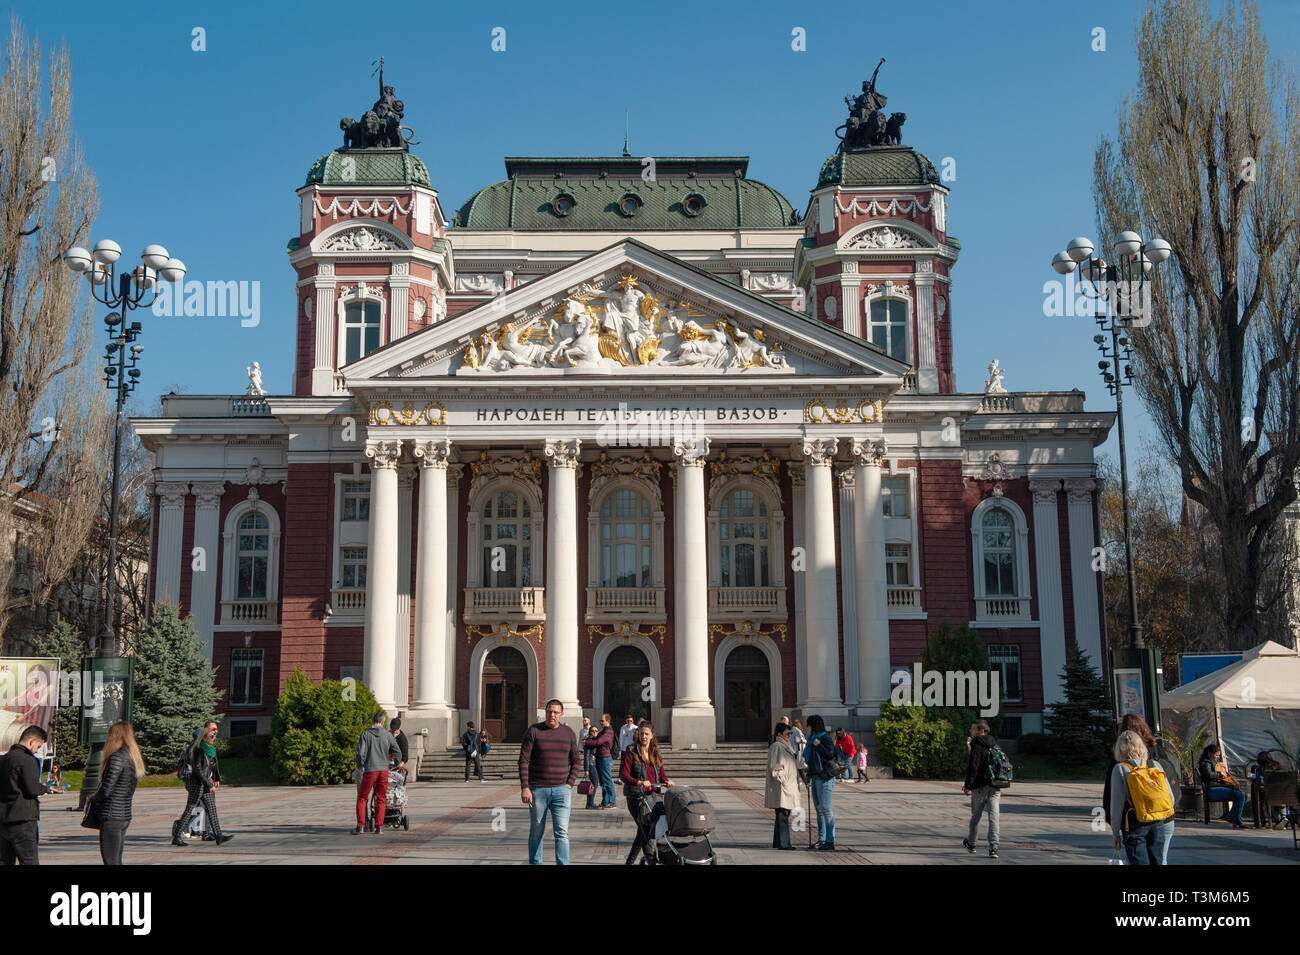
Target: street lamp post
x,y
136,288
1122,295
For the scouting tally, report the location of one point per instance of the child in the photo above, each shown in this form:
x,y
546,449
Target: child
x,y
860,761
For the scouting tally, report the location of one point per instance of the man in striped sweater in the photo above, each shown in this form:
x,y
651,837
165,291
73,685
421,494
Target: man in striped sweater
x,y
549,765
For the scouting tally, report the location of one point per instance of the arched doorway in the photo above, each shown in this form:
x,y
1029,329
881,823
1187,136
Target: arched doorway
x,y
625,669
505,695
748,701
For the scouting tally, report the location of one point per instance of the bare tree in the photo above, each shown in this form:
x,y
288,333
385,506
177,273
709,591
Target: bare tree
x,y
1208,157
52,423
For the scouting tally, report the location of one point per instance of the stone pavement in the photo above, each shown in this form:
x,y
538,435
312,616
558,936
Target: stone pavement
x,y
881,822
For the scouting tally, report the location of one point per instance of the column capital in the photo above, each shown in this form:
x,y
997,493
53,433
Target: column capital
x,y
564,452
847,476
209,495
1080,489
434,453
819,451
691,454
383,453
868,454
1045,491
172,493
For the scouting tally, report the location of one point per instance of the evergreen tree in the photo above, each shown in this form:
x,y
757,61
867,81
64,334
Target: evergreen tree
x,y
958,650
63,641
1082,723
174,692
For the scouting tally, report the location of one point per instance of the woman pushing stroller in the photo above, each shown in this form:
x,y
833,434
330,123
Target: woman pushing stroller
x,y
641,770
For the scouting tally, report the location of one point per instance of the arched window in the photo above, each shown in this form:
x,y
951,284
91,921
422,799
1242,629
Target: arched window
x,y
360,330
997,532
252,556
744,537
625,540
888,327
507,529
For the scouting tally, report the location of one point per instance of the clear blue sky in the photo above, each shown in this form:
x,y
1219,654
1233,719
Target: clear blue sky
x,y
202,151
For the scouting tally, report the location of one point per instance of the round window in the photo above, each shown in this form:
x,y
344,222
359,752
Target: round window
x,y
628,205
563,204
693,204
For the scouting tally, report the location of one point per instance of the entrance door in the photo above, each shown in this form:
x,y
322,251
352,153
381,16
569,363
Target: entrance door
x,y
625,669
505,695
748,701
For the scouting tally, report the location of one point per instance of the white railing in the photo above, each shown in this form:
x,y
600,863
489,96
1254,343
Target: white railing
x,y
528,601
638,600
998,403
1002,608
909,384
340,384
736,601
902,598
248,611
347,601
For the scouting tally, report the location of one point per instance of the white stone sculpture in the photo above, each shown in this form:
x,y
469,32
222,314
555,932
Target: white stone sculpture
x,y
994,384
255,379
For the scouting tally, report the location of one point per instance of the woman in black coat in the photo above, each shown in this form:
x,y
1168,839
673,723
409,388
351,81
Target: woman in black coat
x,y
122,768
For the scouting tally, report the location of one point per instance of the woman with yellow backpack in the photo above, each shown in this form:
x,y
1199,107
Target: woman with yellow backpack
x,y
1140,800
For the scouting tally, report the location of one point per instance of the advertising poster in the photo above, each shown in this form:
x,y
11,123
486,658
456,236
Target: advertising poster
x,y
28,694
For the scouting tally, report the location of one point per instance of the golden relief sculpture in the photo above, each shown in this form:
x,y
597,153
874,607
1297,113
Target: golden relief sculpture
x,y
382,413
821,411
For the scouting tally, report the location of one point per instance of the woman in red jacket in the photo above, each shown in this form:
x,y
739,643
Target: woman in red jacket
x,y
641,770
844,743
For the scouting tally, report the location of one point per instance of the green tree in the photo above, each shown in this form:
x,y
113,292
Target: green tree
x,y
315,729
63,641
1082,722
958,649
174,691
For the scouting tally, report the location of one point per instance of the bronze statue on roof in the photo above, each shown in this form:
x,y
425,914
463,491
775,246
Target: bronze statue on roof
x,y
380,127
867,127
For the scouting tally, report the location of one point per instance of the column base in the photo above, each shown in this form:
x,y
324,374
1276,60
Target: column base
x,y
442,722
696,725
825,709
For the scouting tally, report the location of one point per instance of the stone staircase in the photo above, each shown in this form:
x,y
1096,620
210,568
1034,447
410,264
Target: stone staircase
x,y
727,761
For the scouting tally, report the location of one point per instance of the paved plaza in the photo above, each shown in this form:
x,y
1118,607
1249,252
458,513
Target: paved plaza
x,y
881,822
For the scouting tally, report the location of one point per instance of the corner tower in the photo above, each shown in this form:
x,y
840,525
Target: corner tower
x,y
876,258
371,252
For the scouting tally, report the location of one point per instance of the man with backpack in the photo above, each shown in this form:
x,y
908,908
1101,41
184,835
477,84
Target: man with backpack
x,y
988,772
474,745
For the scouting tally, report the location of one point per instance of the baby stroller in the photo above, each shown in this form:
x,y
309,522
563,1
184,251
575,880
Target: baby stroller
x,y
395,816
677,822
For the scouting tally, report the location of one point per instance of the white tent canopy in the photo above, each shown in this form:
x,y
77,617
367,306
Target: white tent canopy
x,y
1252,705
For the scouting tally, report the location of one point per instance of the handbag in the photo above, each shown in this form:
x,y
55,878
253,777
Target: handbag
x,y
94,817
586,788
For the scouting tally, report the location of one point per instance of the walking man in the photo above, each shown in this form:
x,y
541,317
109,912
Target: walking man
x,y
403,744
20,807
979,786
471,743
374,750
603,748
626,733
549,763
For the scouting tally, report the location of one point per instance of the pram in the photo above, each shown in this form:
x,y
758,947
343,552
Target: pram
x,y
677,823
395,816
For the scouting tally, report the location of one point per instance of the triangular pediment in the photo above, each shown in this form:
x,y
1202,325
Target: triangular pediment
x,y
630,311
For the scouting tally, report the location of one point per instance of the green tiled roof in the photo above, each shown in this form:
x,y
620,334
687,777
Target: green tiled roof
x,y
596,185
368,167
882,166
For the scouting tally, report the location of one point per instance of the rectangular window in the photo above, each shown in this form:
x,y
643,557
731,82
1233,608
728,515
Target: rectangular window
x,y
898,565
895,496
245,677
360,330
1006,658
356,501
353,568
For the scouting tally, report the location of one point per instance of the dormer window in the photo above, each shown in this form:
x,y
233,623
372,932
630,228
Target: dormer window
x,y
629,205
563,204
693,204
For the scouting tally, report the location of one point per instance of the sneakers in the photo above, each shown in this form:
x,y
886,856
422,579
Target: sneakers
x,y
993,853
356,831
828,847
223,839
970,846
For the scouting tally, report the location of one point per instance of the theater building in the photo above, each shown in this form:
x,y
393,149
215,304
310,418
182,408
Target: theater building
x,y
636,434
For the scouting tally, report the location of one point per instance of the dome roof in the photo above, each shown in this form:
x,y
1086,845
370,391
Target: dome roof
x,y
368,167
880,166
595,194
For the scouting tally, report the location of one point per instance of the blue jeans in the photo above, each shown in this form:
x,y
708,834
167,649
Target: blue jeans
x,y
556,800
1224,794
589,771
604,765
1164,835
1141,844
821,795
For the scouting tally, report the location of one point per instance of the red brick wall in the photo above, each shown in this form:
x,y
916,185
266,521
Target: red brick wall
x,y
308,562
943,510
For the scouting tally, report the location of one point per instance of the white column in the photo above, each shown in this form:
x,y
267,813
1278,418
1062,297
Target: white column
x,y
431,577
402,625
322,373
381,573
798,479
1051,609
693,719
851,299
869,579
454,472
1083,579
562,577
167,558
203,584
823,615
846,485
399,303
927,371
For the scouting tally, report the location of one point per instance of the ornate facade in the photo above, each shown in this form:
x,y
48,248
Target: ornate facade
x,y
644,443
